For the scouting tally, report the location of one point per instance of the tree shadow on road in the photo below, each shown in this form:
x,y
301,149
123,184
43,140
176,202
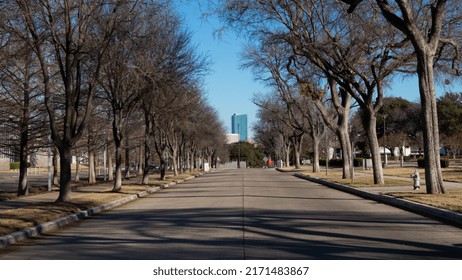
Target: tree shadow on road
x,y
220,233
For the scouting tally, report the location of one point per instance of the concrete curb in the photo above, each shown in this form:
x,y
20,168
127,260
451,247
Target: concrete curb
x,y
288,170
17,236
442,215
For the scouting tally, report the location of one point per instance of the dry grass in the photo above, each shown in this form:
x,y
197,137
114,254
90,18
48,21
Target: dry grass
x,y
361,180
37,213
25,217
452,174
451,201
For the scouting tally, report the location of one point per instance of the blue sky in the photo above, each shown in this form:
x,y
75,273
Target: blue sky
x,y
229,89
408,88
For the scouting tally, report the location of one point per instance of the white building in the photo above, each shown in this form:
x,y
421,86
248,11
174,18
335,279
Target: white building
x,y
232,138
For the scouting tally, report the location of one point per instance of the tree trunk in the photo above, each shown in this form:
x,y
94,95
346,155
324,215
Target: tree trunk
x,y
110,168
118,171
147,148
188,161
433,174
192,158
175,160
184,162
195,160
316,141
23,186
344,139
77,170
163,168
210,161
181,162
297,146
65,161
341,101
141,160
370,124
55,166
401,156
287,153
118,138
91,167
127,159
147,158
161,146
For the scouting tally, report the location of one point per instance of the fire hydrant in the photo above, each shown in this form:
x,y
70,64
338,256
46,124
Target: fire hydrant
x,y
416,179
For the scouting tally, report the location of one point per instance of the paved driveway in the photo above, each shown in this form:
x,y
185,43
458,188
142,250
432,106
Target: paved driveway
x,y
248,214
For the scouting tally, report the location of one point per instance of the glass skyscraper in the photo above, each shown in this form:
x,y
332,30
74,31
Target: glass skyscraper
x,y
239,126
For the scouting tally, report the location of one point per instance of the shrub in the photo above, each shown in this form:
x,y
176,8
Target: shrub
x,y
444,162
421,162
357,162
336,162
407,158
14,165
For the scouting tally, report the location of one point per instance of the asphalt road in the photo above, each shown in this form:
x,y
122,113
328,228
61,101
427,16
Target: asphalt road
x,y
248,214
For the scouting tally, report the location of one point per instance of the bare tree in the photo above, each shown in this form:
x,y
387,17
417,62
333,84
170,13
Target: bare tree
x,y
273,110
358,62
429,25
94,140
70,37
324,37
280,22
21,109
175,106
453,144
301,112
265,135
172,77
120,83
335,110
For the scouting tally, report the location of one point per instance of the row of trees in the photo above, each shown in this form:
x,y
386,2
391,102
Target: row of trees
x,y
100,74
340,54
399,125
